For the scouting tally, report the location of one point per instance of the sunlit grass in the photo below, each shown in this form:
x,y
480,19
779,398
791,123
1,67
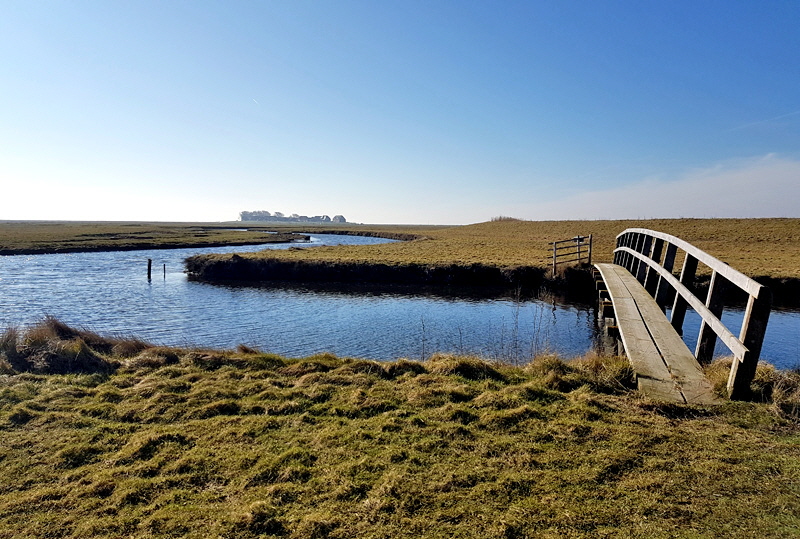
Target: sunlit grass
x,y
756,247
51,237
142,441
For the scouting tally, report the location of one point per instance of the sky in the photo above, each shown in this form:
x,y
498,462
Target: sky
x,y
417,112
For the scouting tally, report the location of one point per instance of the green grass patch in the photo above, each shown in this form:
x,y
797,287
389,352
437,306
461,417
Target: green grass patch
x,y
165,443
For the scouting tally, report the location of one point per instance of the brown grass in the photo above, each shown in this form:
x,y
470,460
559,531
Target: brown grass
x,y
190,443
756,247
51,237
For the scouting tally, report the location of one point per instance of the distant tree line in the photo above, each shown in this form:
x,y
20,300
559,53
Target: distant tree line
x,y
293,218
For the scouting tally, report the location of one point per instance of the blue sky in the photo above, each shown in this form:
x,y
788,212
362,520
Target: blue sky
x,y
399,111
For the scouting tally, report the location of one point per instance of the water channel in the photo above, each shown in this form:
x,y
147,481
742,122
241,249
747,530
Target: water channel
x,y
109,293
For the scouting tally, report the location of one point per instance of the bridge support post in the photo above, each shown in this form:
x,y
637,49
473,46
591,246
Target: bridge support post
x,y
642,269
743,369
679,307
663,289
651,279
707,338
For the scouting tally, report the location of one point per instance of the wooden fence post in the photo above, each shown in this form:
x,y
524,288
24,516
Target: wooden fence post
x,y
590,249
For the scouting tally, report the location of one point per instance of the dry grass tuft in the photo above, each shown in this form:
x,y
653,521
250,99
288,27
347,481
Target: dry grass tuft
x,y
471,368
195,443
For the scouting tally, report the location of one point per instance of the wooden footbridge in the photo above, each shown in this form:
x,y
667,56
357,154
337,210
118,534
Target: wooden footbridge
x,y
634,293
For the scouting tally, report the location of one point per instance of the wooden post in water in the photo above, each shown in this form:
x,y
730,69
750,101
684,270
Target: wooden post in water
x,y
149,269
165,272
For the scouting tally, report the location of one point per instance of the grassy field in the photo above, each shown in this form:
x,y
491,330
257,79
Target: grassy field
x,y
114,438
17,237
756,247
110,437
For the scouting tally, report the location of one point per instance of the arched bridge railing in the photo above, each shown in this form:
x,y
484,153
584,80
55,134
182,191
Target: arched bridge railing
x,y
650,256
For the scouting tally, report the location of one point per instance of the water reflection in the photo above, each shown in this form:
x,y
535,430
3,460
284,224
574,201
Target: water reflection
x,y
109,293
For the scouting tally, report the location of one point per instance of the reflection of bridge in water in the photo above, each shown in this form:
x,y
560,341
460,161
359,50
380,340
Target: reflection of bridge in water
x,y
634,292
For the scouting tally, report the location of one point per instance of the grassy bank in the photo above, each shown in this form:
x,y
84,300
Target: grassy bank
x,y
35,237
756,247
111,437
513,252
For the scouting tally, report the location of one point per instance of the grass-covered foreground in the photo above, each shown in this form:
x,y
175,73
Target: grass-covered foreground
x,y
137,441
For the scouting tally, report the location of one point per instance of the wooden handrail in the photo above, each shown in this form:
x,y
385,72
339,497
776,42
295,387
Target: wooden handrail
x,y
650,255
739,279
725,335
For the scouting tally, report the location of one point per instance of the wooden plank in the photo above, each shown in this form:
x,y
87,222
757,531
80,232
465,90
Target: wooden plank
x,y
682,365
653,376
662,390
665,367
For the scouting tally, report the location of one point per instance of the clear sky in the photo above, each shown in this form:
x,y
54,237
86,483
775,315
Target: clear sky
x,y
405,111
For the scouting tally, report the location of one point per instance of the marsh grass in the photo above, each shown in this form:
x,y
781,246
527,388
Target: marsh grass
x,y
204,443
52,237
756,247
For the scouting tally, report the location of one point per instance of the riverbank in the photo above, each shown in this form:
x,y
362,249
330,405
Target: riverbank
x,y
506,253
105,437
517,254
47,237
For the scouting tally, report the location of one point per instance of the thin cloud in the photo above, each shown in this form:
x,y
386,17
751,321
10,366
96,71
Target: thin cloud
x,y
763,187
761,122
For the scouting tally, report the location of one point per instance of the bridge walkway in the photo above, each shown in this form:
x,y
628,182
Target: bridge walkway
x,y
664,366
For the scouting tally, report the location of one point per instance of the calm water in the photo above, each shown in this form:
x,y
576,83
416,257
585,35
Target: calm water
x,y
109,293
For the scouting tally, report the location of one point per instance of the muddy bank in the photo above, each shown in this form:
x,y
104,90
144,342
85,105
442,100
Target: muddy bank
x,y
576,283
399,236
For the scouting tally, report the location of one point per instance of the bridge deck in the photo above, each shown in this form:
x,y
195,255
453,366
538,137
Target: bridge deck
x,y
665,367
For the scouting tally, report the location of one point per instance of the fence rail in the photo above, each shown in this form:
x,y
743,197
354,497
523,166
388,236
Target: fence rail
x,y
574,250
650,256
